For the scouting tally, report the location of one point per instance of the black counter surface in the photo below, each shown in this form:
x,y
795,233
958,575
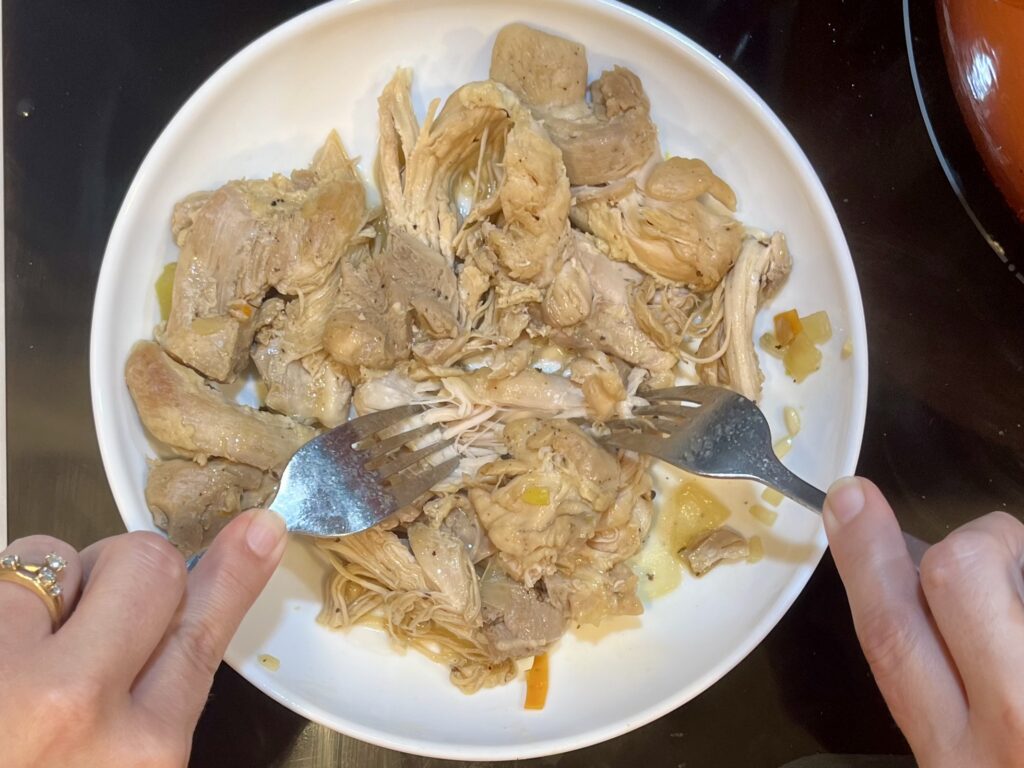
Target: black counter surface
x,y
89,85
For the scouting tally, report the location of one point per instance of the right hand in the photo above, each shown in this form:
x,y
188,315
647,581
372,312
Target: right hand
x,y
947,646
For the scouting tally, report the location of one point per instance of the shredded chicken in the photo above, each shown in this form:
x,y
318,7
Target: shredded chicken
x,y
535,260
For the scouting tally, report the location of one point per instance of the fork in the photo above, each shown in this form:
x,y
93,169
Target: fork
x,y
356,475
715,432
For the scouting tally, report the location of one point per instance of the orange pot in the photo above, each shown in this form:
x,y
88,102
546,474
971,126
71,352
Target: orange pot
x,y
984,45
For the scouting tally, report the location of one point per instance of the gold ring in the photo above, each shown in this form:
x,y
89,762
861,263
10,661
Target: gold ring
x,y
41,579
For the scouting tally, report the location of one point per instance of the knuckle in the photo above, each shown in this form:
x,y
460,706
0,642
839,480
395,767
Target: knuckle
x,y
73,703
200,645
950,559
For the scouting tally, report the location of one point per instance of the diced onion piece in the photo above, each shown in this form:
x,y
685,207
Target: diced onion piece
x,y
773,497
787,326
802,358
771,345
764,515
270,662
847,351
817,327
165,289
792,420
782,447
537,683
536,496
756,549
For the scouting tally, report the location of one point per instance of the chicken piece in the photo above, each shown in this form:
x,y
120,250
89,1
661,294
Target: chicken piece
x,y
518,621
486,135
600,142
611,326
760,270
591,595
422,280
529,390
718,546
192,502
670,234
302,381
181,409
570,296
545,70
248,237
534,197
447,566
563,484
418,167
365,329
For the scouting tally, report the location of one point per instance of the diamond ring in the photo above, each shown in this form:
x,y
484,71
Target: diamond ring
x,y
43,579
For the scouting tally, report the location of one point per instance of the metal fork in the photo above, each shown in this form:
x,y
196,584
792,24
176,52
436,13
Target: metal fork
x,y
351,478
715,432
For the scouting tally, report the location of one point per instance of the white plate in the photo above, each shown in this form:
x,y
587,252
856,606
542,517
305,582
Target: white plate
x,y
267,110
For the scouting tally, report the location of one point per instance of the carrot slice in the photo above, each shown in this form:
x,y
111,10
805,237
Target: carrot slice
x,y
537,683
787,326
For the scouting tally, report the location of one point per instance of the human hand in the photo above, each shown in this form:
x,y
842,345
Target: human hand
x,y
947,646
122,682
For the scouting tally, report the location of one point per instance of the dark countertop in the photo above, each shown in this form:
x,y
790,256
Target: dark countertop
x,y
88,87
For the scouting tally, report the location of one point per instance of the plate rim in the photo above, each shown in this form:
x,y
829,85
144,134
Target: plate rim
x,y
852,444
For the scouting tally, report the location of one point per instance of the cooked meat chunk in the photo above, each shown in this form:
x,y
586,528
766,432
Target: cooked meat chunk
x,y
760,270
248,237
600,142
718,546
518,621
301,380
193,502
182,410
611,326
670,235
544,70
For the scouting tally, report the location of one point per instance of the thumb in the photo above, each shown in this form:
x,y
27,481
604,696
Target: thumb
x,y
889,612
220,591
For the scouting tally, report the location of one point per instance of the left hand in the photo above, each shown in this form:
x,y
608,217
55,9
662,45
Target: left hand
x,y
122,682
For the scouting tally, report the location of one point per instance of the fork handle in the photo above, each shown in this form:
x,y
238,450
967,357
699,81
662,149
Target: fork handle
x,y
777,476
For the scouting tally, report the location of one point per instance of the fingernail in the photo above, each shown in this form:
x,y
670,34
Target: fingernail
x,y
265,531
845,499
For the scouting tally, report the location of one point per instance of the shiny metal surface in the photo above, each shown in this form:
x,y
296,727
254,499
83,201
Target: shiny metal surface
x,y
719,433
88,87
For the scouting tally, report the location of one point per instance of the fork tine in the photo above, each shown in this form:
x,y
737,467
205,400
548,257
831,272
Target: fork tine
x,y
632,441
364,426
403,460
411,487
645,425
667,410
698,394
381,447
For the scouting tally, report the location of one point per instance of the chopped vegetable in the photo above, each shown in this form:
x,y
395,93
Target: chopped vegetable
x,y
764,515
787,326
536,496
783,446
771,345
773,497
792,420
756,549
847,350
537,683
817,327
270,662
165,289
802,358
